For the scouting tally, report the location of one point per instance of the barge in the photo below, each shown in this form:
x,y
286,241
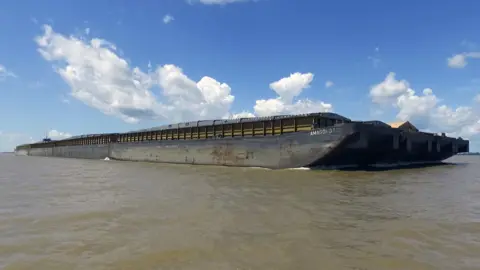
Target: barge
x,y
276,142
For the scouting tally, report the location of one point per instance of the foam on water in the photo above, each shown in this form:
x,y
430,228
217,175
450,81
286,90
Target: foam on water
x,y
300,169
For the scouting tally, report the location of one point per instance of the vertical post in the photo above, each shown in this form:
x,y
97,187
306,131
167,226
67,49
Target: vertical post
x,y
409,145
110,140
396,141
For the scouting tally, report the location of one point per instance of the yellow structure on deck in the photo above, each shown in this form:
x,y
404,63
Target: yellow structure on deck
x,y
405,125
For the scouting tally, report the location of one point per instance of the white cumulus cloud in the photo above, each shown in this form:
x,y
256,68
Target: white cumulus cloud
x,y
9,140
477,98
58,135
425,110
288,89
460,60
4,73
103,80
168,18
328,84
389,89
417,108
243,114
100,78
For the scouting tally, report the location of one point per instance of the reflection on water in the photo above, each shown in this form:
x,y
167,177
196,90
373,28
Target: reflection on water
x,y
88,214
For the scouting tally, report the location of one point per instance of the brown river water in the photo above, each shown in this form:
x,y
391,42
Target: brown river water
x,y
92,214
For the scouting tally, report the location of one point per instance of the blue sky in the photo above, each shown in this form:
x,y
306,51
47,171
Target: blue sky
x,y
77,67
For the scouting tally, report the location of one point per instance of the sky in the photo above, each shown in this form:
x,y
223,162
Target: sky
x,y
73,67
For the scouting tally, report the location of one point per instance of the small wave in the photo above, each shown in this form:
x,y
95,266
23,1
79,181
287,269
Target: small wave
x,y
402,164
334,167
300,169
260,168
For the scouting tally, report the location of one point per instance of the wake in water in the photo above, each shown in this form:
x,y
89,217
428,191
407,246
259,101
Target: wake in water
x,y
384,166
299,169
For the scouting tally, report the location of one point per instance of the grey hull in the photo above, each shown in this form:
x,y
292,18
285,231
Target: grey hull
x,y
284,151
350,144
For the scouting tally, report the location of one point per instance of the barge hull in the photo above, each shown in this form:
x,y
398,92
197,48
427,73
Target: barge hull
x,y
351,144
276,152
295,150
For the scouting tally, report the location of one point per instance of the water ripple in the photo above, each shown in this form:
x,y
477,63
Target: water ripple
x,y
85,214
